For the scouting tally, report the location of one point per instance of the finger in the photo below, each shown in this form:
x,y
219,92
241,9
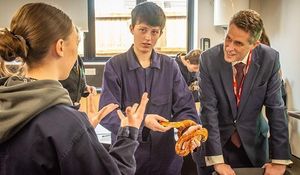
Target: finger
x,y
107,109
156,127
266,165
93,90
129,111
184,145
194,145
120,114
134,108
230,170
96,118
197,142
189,130
160,118
198,138
143,103
89,89
91,105
166,128
161,128
192,129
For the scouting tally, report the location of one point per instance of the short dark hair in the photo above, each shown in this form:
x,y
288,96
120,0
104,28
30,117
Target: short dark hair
x,y
150,13
249,21
193,56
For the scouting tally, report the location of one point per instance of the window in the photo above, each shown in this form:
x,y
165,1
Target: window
x,y
174,38
112,26
80,44
112,21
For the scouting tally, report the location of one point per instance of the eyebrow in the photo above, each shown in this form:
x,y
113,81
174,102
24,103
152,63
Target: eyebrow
x,y
149,27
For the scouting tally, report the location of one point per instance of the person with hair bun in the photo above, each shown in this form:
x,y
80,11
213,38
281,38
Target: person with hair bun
x,y
40,133
4,72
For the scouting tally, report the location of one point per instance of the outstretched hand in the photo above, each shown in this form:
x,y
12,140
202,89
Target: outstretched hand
x,y
95,118
134,113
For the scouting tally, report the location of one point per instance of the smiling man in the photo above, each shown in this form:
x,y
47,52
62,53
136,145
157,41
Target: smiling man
x,y
238,77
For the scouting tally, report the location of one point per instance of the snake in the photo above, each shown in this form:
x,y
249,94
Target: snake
x,y
182,126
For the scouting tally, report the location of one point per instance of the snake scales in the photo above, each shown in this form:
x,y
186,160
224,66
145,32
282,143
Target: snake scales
x,y
200,134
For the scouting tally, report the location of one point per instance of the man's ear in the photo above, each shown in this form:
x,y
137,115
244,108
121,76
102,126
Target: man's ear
x,y
131,28
59,47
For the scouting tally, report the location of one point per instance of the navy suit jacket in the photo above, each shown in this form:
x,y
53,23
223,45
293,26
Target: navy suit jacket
x,y
221,116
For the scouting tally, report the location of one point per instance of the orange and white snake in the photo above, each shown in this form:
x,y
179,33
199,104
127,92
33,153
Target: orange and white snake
x,y
200,135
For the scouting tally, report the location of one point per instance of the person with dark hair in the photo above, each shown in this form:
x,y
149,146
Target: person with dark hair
x,y
189,67
142,69
238,77
76,83
264,39
40,133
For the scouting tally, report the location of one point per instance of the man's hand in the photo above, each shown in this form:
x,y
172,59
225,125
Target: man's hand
x,y
224,169
91,90
134,113
152,122
194,86
274,169
195,141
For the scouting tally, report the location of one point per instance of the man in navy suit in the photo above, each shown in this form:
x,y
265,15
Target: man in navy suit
x,y
238,77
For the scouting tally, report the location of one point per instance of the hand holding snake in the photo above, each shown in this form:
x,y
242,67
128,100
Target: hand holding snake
x,y
189,135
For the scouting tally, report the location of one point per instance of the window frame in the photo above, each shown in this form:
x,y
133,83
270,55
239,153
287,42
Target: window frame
x,y
90,36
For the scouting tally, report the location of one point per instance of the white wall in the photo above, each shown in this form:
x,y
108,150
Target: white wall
x,y
76,9
206,28
281,21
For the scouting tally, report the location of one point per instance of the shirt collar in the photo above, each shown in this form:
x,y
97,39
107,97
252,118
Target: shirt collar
x,y
244,60
133,61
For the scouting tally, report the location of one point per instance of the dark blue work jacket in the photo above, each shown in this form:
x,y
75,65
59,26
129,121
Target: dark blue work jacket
x,y
60,141
124,83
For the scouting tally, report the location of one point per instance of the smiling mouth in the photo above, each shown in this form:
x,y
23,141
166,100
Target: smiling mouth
x,y
230,54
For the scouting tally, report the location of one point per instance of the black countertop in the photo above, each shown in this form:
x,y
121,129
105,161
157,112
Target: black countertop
x,y
294,169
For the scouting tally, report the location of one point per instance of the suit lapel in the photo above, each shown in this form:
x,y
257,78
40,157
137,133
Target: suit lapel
x,y
249,81
226,76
